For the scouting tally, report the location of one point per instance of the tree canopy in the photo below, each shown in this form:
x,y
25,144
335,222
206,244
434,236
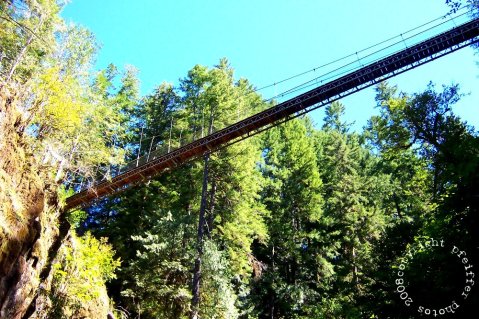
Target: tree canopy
x,y
305,220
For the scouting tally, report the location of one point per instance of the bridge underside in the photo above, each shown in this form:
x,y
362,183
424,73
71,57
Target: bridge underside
x,y
409,58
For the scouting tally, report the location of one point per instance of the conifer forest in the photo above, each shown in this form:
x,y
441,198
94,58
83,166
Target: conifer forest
x,y
306,219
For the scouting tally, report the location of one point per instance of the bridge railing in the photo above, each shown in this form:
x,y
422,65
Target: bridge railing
x,y
338,85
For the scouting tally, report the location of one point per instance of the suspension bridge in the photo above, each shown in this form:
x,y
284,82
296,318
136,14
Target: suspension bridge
x,y
344,84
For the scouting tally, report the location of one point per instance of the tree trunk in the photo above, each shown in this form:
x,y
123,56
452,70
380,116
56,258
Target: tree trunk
x,y
195,300
22,53
19,57
211,211
355,270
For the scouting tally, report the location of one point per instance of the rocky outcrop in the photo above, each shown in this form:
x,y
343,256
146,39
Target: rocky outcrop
x,y
25,231
32,227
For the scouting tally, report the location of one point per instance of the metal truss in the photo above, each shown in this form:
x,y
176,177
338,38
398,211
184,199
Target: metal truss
x,y
373,73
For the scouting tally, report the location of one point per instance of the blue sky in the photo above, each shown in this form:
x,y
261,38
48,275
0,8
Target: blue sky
x,y
267,41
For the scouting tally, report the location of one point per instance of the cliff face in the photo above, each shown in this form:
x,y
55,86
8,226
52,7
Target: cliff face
x,y
23,199
32,227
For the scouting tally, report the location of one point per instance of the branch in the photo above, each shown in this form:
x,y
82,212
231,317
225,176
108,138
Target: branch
x,y
25,28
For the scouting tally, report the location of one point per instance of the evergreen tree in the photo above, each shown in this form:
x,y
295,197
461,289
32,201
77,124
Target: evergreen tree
x,y
430,150
165,210
353,216
293,260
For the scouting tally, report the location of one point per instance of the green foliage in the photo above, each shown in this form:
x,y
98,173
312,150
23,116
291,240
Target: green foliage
x,y
78,128
456,4
66,126
293,194
27,36
73,126
218,299
332,119
165,211
428,160
300,223
319,218
79,275
162,291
